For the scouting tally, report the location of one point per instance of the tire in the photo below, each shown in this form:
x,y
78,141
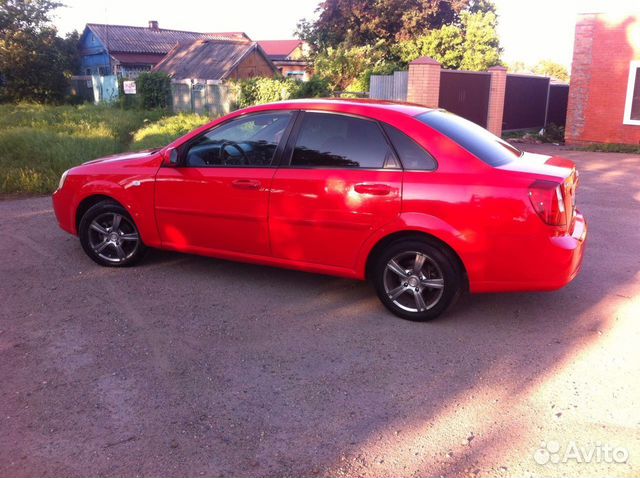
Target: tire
x,y
423,281
109,236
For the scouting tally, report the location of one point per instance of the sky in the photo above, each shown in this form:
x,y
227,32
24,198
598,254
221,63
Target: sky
x,y
529,30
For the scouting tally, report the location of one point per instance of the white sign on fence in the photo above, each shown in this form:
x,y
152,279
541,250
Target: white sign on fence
x,y
129,87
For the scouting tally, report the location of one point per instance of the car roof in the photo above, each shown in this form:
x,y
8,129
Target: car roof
x,y
343,104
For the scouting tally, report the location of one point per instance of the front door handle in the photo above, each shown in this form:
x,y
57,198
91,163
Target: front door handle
x,y
246,184
375,189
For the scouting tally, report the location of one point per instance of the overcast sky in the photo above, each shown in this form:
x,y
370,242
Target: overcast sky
x,y
529,30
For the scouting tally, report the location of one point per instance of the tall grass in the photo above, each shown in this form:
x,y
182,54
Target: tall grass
x,y
163,132
37,142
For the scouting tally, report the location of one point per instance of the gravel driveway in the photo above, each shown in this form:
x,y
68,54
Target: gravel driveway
x,y
194,366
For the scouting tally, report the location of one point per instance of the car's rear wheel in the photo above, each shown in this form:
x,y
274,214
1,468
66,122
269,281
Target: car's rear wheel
x,y
417,279
109,235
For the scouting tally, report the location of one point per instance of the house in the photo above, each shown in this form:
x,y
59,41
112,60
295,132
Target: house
x,y
604,95
215,60
128,50
288,56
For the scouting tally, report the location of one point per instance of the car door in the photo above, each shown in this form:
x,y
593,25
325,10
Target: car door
x,y
339,182
216,198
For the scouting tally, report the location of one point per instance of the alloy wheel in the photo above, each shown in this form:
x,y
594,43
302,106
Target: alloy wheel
x,y
413,281
113,237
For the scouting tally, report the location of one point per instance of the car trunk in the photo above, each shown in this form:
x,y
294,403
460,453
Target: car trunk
x,y
556,169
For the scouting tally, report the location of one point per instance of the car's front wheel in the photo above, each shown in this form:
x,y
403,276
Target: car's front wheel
x,y
417,280
109,235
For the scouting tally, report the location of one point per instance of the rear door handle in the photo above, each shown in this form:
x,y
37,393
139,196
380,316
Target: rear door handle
x,y
246,184
375,189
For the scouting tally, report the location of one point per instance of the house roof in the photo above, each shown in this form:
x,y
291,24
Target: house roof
x,y
128,39
279,49
207,59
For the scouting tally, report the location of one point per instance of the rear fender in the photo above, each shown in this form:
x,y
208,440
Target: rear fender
x,y
462,244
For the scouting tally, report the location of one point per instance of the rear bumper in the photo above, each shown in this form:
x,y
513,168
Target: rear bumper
x,y
550,265
569,251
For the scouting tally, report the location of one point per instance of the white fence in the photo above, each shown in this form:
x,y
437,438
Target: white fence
x,y
389,87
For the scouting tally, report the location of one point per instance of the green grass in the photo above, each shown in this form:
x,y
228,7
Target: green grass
x,y
163,132
37,142
612,148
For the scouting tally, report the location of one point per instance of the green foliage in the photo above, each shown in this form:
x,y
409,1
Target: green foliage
x,y
349,68
163,132
543,67
315,87
35,62
552,69
471,45
364,22
446,45
38,142
154,89
612,148
481,43
256,91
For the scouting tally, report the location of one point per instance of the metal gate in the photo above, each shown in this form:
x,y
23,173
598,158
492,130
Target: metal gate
x,y
466,93
525,102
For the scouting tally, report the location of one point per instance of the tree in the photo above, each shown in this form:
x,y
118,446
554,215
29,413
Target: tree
x,y
35,62
552,69
365,22
481,43
471,45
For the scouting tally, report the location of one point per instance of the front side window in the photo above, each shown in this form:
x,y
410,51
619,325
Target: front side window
x,y
632,105
336,141
475,139
249,141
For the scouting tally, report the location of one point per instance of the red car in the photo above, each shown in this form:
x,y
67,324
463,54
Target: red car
x,y
421,202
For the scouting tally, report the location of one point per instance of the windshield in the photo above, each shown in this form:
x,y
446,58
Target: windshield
x,y
475,139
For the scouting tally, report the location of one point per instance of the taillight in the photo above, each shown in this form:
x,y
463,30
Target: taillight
x,y
548,202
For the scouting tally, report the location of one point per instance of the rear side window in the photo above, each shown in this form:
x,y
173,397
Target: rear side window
x,y
475,139
337,141
412,155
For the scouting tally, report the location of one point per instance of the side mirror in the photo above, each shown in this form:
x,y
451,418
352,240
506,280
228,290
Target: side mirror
x,y
173,156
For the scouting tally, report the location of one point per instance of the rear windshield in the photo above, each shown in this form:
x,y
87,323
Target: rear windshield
x,y
475,139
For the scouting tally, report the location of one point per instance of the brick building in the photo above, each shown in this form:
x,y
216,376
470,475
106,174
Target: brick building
x,y
604,96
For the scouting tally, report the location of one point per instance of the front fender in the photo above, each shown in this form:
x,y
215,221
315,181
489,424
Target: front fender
x,y
463,243
135,194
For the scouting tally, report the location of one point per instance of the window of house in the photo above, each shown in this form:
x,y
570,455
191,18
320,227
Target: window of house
x,y
632,105
336,141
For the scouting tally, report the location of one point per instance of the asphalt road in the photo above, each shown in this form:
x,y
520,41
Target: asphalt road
x,y
194,366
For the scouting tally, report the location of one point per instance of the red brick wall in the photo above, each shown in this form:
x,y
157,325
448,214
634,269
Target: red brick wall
x,y
604,47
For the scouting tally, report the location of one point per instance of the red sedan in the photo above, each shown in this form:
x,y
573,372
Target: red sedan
x,y
421,202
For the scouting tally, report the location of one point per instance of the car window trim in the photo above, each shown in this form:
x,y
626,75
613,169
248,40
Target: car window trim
x,y
287,156
275,161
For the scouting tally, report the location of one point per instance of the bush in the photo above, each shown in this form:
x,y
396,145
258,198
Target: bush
x,y
163,132
256,91
154,89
